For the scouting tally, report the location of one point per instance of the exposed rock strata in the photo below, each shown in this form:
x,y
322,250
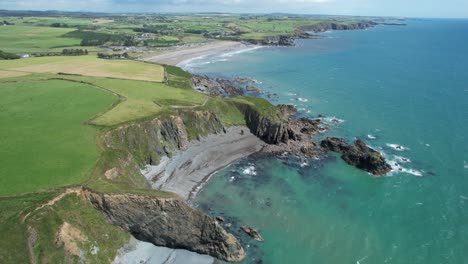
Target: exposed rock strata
x,y
168,222
216,87
282,132
359,155
148,141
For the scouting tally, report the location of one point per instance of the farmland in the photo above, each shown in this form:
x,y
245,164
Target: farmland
x,y
88,66
44,142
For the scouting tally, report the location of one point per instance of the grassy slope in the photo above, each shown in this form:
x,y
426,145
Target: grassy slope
x,y
97,232
89,66
14,249
47,221
44,142
27,39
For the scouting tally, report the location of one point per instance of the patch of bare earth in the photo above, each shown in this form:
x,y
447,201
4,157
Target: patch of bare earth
x,y
70,237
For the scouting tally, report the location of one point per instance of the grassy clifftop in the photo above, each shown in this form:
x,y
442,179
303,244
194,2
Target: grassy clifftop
x,y
65,130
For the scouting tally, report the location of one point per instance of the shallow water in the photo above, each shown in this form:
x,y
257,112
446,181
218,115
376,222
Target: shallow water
x,y
392,86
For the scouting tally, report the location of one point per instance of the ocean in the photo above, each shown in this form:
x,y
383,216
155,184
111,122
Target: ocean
x,y
390,86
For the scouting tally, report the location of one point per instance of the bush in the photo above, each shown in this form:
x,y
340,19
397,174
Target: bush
x,y
74,52
8,56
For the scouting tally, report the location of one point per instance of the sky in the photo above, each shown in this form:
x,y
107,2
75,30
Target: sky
x,y
400,8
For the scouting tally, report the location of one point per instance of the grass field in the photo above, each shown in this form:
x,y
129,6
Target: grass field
x,y
89,66
28,39
8,74
141,99
44,142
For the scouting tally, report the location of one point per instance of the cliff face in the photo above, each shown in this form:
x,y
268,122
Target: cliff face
x,y
282,132
168,222
148,141
325,26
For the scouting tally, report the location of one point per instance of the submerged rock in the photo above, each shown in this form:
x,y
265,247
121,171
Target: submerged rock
x,y
359,155
253,233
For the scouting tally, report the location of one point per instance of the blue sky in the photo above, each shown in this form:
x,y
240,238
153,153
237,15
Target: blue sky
x,y
407,8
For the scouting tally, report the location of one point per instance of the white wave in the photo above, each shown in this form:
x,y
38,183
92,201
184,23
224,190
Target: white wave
x,y
240,51
371,136
291,94
397,147
250,171
232,179
402,159
463,197
303,164
396,167
192,63
465,165
333,119
300,99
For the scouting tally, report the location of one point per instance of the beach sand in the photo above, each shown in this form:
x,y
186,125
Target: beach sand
x,y
176,56
184,174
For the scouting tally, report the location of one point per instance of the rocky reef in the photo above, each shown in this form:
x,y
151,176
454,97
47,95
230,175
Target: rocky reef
x,y
359,155
167,222
216,87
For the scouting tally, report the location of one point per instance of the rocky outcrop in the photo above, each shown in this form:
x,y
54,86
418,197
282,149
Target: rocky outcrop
x,y
252,233
282,132
168,222
274,41
216,87
325,26
306,32
359,155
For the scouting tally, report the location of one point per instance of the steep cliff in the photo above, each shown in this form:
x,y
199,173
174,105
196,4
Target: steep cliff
x,y
167,222
325,26
284,133
148,141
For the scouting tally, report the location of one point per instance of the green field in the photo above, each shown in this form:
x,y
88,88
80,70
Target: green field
x,y
29,39
44,141
88,66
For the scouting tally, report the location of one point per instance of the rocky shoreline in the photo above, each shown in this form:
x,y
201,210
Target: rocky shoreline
x,y
310,31
287,133
164,145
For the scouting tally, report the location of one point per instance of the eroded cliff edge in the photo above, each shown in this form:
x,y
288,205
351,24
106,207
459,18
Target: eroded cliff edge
x,y
167,222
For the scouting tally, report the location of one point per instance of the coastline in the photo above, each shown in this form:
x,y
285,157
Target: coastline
x,y
178,56
185,173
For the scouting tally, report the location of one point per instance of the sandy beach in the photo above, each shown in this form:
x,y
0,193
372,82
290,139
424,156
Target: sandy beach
x,y
176,56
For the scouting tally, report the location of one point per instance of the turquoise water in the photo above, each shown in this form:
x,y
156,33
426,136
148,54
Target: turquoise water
x,y
401,85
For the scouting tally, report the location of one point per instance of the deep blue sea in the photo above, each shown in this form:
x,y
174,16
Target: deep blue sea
x,y
391,85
